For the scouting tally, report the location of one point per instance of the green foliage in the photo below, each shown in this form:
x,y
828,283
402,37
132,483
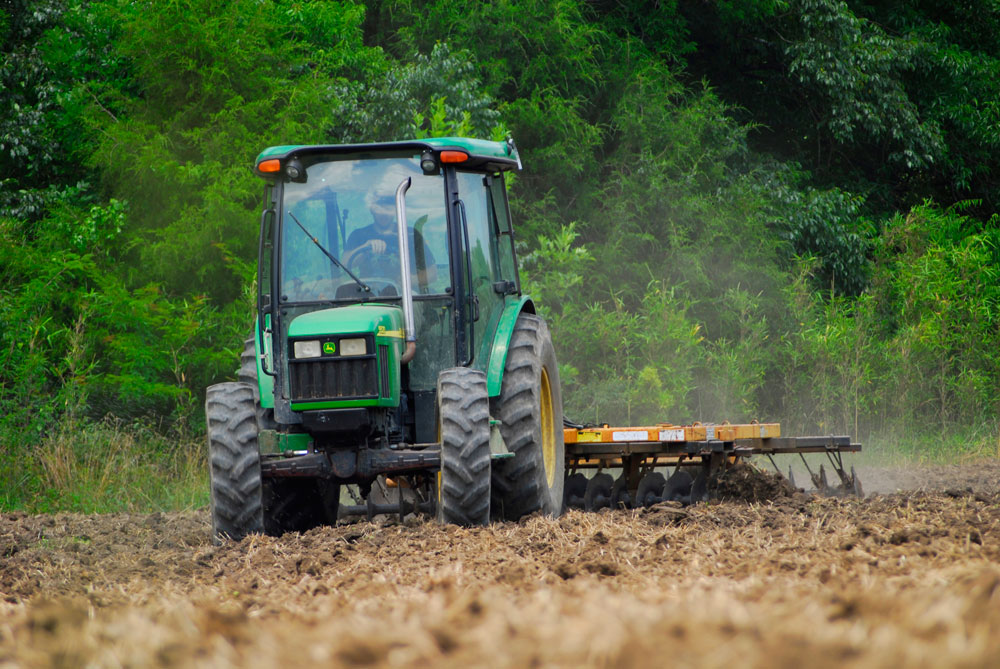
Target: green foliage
x,y
540,59
830,361
79,341
918,350
434,95
521,45
827,225
941,283
661,27
94,231
556,269
203,98
631,367
735,366
891,99
855,68
37,166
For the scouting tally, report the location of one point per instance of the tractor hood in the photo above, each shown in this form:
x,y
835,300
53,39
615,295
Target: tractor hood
x,y
383,320
345,357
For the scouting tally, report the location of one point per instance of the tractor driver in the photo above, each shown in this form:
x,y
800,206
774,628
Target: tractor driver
x,y
369,246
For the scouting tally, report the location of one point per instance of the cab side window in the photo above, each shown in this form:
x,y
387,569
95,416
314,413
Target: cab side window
x,y
504,233
474,189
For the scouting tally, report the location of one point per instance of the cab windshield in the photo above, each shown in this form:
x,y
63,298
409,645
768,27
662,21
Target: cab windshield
x,y
347,203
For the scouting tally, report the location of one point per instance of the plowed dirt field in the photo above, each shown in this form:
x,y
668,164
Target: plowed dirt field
x,y
897,579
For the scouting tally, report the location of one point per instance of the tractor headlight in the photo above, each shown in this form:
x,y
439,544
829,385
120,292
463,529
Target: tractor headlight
x,y
353,347
307,349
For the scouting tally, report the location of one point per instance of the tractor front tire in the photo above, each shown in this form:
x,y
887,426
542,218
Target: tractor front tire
x,y
464,424
531,425
233,461
290,504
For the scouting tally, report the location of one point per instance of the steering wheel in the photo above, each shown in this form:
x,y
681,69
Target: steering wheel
x,y
362,254
366,262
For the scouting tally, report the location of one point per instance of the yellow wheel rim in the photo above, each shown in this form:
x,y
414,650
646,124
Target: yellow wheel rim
x,y
439,471
548,430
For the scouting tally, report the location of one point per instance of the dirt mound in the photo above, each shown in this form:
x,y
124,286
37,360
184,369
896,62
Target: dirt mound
x,y
746,483
903,579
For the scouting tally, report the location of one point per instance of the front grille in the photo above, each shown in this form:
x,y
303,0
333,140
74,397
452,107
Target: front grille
x,y
383,366
333,379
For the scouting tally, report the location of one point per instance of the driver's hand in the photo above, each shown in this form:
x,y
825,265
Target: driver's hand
x,y
377,246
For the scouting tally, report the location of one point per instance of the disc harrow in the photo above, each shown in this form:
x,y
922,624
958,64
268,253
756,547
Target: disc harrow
x,y
668,462
630,467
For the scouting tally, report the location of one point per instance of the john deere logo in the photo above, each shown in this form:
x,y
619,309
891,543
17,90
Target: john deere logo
x,y
329,348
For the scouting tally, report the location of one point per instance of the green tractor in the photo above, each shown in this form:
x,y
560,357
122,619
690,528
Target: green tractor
x,y
393,348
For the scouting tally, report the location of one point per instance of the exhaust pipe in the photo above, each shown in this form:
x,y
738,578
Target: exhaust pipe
x,y
404,261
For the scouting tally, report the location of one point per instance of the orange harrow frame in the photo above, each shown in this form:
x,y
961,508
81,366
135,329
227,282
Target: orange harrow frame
x,y
638,451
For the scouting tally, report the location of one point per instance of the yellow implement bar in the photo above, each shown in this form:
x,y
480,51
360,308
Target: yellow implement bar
x,y
667,432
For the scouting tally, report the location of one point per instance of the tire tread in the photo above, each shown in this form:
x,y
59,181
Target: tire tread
x,y
520,485
234,461
464,418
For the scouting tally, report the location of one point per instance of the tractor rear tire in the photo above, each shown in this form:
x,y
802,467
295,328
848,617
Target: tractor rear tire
x,y
233,461
531,425
248,374
464,424
248,363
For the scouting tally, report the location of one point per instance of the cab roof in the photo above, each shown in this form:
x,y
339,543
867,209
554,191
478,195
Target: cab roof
x,y
483,154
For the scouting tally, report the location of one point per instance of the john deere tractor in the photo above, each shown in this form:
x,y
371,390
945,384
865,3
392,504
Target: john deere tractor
x,y
393,348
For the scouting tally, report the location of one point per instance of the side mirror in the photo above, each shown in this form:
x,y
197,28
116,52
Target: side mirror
x,y
505,287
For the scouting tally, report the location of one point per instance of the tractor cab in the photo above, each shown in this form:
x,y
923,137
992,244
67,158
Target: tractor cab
x,y
380,265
